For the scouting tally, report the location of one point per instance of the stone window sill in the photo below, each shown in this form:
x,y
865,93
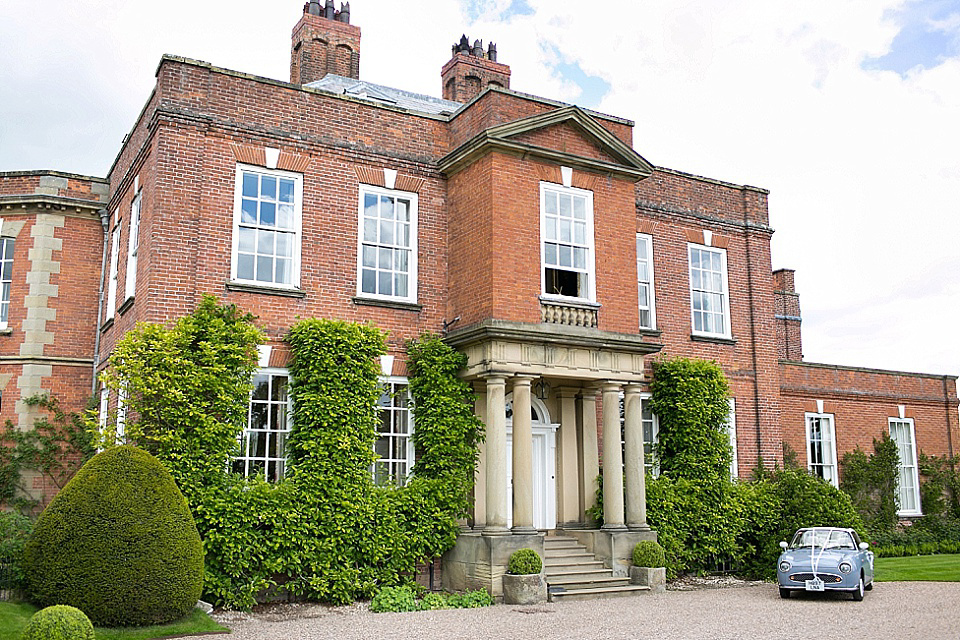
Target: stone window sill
x,y
122,309
390,304
106,325
233,285
713,339
6,331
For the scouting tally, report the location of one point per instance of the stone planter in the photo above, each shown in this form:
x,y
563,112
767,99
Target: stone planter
x,y
653,577
529,589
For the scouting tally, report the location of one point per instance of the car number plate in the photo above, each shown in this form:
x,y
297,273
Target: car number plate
x,y
814,585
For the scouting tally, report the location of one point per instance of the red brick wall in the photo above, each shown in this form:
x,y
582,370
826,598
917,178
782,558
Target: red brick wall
x,y
464,76
675,209
321,46
862,400
787,316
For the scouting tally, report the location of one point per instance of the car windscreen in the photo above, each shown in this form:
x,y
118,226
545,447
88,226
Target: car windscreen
x,y
822,538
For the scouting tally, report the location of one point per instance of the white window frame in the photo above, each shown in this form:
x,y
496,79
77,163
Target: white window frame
x,y
410,454
589,244
247,460
297,230
104,406
133,246
725,293
732,434
412,248
909,467
121,435
114,270
651,308
829,466
6,278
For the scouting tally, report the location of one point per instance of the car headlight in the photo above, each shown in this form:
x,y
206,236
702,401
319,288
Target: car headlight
x,y
784,566
845,567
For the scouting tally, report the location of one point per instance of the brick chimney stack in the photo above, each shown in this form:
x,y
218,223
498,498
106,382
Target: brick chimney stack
x,y
471,70
324,42
787,316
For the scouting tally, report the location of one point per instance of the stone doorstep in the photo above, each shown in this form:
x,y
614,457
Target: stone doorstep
x,y
573,573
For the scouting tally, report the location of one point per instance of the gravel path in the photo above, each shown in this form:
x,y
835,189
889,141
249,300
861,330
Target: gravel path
x,y
902,610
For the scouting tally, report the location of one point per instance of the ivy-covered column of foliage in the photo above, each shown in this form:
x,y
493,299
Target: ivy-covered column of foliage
x,y
330,454
871,483
187,390
691,504
446,437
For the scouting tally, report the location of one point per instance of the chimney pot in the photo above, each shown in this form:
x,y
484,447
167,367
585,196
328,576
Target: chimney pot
x,y
328,10
477,49
464,44
345,12
313,8
492,52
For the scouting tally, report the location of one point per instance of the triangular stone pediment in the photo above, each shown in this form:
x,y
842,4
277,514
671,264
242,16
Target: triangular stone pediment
x,y
567,135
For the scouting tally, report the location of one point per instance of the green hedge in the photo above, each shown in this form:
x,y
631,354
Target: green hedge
x,y
118,543
524,562
15,530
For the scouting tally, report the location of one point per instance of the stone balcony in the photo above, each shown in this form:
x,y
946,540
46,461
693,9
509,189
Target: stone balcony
x,y
574,315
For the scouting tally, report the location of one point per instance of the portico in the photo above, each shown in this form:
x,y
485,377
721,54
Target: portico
x,y
563,370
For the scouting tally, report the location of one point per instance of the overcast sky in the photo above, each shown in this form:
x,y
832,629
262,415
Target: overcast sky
x,y
847,111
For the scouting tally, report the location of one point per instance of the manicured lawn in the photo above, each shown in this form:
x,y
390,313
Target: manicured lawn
x,y
936,568
14,617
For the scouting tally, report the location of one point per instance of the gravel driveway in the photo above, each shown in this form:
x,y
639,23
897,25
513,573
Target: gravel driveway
x,y
902,610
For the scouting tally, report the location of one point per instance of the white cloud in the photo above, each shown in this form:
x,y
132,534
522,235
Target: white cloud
x,y
862,164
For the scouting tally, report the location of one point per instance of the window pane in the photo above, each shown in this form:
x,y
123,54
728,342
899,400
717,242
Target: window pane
x,y
250,185
550,228
564,227
579,258
400,285
286,191
268,214
386,208
550,254
369,256
386,259
550,204
383,283
369,230
245,267
264,269
284,270
368,281
403,210
246,242
386,232
579,208
265,242
248,211
268,188
285,217
400,260
566,206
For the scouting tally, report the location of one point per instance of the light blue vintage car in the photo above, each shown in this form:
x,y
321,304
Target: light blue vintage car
x,y
825,559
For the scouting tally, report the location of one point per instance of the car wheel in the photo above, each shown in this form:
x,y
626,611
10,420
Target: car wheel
x,y
858,594
784,593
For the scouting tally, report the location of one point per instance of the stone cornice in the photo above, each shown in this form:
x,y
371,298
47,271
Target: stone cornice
x,y
552,334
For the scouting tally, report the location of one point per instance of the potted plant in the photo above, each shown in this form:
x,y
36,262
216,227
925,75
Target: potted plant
x,y
649,566
524,583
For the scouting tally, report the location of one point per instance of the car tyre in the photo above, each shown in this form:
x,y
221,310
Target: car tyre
x,y
858,594
784,593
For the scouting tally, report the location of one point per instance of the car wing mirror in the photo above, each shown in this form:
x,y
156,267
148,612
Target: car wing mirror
x,y
783,545
864,546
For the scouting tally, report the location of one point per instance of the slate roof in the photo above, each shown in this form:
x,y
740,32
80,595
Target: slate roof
x,y
385,95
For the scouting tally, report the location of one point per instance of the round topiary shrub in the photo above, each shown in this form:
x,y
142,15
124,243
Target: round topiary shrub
x,y
58,622
524,562
119,543
648,553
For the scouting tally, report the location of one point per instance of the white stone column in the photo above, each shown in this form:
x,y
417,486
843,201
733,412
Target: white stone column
x,y
589,446
480,485
612,459
496,462
636,490
568,502
522,456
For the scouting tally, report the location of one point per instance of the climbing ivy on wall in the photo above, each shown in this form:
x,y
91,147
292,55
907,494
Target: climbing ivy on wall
x,y
325,532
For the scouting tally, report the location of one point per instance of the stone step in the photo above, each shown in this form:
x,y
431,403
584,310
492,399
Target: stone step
x,y
572,556
560,543
588,582
586,572
556,567
596,593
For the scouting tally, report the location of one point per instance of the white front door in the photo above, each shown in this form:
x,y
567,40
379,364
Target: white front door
x,y
544,470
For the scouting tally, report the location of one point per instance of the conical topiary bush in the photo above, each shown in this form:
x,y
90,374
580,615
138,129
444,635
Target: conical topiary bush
x,y
119,543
